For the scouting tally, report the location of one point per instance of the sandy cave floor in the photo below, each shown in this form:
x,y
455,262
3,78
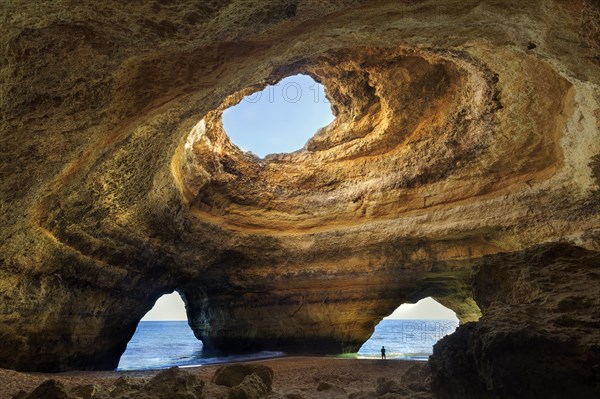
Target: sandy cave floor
x,y
291,373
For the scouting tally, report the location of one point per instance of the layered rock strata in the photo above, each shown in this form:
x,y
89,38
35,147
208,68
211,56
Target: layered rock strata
x,y
539,336
454,138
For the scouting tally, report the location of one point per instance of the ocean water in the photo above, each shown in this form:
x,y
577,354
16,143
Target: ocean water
x,y
406,339
162,344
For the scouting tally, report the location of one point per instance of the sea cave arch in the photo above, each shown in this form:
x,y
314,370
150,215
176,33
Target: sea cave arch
x,y
456,143
282,311
162,338
410,331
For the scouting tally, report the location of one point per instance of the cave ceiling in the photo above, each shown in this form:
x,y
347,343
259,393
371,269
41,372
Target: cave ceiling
x,y
462,129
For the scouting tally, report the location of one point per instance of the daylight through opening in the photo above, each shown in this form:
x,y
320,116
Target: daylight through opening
x,y
279,119
163,338
410,331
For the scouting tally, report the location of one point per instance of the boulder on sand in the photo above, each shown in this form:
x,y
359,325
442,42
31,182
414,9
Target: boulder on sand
x,y
252,387
234,374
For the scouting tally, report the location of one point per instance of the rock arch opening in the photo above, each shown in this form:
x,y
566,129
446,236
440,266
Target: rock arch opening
x,y
411,331
454,141
169,307
162,338
165,338
281,118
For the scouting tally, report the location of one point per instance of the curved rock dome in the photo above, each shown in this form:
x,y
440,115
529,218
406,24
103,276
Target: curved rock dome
x,y
462,129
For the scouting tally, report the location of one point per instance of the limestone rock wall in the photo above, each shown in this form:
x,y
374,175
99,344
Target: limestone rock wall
x,y
454,138
538,336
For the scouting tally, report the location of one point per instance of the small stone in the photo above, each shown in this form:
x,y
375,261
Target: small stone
x,y
362,395
124,386
50,389
327,386
20,395
323,386
417,378
233,375
385,386
214,391
294,395
174,383
89,391
252,387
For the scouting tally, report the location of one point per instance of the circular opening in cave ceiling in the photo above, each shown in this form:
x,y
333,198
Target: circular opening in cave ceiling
x,y
401,122
280,118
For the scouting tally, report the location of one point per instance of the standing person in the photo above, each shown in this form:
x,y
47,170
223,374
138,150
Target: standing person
x,y
382,352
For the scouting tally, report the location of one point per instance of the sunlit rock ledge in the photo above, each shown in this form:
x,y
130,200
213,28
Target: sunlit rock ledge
x,y
462,129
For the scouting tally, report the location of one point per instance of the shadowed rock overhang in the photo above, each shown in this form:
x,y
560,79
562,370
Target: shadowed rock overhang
x,y
454,138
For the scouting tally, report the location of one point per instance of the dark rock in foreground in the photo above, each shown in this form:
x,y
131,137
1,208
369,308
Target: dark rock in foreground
x,y
234,374
238,381
119,183
50,389
251,387
173,383
539,336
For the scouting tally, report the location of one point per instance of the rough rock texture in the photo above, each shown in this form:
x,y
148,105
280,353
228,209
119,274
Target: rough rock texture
x,y
414,384
296,377
234,374
539,336
386,380
454,137
50,389
172,383
252,387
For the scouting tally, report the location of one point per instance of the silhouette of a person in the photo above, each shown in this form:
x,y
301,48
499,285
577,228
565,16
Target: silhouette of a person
x,y
383,352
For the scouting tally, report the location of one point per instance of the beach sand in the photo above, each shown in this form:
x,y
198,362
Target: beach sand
x,y
292,374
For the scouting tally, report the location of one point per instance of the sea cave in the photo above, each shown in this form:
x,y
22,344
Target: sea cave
x,y
463,164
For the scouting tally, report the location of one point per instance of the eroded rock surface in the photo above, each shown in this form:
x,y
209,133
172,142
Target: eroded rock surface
x,y
172,383
233,375
454,138
539,336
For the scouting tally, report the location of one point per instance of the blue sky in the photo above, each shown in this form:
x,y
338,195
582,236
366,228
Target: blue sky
x,y
281,118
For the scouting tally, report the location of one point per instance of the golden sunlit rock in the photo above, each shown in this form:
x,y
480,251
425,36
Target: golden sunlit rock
x,y
462,129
